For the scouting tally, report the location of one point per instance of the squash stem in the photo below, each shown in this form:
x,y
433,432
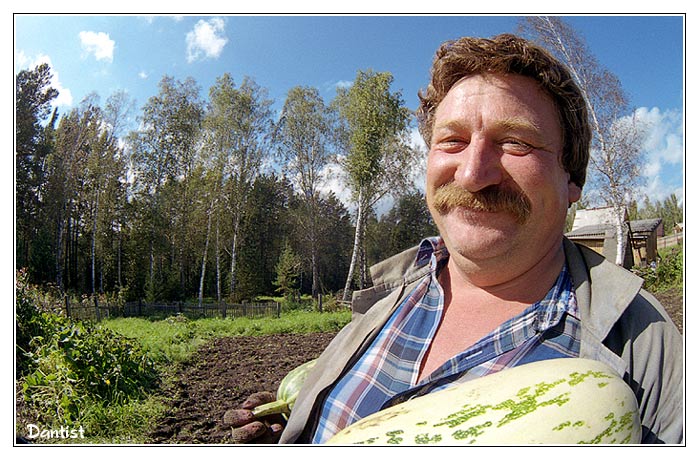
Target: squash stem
x,y
272,408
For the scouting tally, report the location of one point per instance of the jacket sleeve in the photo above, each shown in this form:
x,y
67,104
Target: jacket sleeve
x,y
649,342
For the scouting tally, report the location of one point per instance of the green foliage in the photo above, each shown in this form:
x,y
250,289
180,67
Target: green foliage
x,y
288,269
31,323
404,226
373,116
64,367
668,272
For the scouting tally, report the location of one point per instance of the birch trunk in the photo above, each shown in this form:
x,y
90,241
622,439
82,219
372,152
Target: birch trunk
x,y
314,247
355,247
234,244
204,258
620,232
218,264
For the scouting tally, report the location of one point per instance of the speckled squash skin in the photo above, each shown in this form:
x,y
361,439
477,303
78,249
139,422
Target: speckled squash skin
x,y
551,402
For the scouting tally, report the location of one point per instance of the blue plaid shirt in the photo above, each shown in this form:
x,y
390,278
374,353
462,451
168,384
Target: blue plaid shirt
x,y
387,373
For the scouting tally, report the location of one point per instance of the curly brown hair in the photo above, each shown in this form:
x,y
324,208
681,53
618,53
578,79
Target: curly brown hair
x,y
508,54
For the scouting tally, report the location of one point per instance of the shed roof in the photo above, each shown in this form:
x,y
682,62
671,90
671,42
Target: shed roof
x,y
645,225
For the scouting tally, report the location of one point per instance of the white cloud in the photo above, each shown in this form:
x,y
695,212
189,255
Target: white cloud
x,y
150,19
664,139
98,44
64,98
663,145
334,181
206,40
143,75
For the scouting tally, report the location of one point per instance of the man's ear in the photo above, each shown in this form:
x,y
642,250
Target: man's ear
x,y
574,193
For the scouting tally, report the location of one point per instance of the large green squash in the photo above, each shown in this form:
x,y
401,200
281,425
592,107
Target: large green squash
x,y
558,401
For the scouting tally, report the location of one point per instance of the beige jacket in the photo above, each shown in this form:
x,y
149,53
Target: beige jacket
x,y
622,326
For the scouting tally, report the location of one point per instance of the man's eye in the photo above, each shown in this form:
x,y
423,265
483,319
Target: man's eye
x,y
452,144
515,147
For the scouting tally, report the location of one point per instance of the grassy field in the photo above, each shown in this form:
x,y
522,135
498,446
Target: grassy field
x,y
174,339
167,343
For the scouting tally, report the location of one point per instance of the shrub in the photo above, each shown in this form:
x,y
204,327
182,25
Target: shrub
x,y
668,272
65,365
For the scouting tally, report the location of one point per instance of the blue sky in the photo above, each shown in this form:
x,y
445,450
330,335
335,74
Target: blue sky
x,y
103,54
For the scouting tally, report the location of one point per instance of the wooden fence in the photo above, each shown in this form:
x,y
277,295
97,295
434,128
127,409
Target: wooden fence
x,y
669,240
164,309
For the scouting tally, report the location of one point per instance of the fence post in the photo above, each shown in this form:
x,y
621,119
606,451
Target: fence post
x,y
279,309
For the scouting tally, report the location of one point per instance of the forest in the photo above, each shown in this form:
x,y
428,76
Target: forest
x,y
211,198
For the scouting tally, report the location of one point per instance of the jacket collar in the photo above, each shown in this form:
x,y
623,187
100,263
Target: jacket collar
x,y
603,292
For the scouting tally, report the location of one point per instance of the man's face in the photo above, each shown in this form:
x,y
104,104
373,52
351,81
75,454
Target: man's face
x,y
495,185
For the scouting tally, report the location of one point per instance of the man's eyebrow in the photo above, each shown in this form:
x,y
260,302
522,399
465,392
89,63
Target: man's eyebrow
x,y
506,124
519,124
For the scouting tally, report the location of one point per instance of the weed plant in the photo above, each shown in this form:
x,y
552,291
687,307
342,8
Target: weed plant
x,y
102,377
74,374
667,274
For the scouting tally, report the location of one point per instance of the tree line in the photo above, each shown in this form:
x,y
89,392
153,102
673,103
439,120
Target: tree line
x,y
211,197
219,197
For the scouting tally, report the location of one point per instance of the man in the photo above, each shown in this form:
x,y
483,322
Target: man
x,y
508,135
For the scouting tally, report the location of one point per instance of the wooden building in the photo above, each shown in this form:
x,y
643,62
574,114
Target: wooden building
x,y
595,229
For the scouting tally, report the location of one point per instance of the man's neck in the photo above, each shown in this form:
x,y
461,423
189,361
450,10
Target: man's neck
x,y
513,280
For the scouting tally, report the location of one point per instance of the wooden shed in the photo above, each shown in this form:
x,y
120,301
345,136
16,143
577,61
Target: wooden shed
x,y
595,229
645,233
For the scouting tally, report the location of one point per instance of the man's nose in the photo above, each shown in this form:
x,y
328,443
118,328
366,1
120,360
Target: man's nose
x,y
479,166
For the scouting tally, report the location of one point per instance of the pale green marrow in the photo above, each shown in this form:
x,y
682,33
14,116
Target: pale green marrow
x,y
287,392
552,402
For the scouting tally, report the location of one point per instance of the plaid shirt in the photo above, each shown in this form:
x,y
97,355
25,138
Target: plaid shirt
x,y
387,372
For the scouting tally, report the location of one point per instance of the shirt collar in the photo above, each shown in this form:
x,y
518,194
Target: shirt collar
x,y
431,250
559,300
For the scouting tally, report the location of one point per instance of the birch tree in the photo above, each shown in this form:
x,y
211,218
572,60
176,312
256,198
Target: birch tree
x,y
239,125
162,154
118,113
303,137
374,134
66,169
616,152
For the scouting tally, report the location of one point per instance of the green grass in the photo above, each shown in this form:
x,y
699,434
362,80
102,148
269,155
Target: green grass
x,y
175,339
168,343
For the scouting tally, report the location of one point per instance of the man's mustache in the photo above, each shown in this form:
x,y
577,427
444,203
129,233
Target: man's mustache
x,y
491,199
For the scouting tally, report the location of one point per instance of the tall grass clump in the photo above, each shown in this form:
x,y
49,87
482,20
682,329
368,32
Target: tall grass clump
x,y
74,374
667,274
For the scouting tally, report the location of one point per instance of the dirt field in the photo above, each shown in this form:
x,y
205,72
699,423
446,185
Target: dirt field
x,y
672,300
226,371
222,375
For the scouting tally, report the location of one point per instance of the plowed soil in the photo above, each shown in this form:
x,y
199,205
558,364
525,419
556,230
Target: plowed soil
x,y
221,375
